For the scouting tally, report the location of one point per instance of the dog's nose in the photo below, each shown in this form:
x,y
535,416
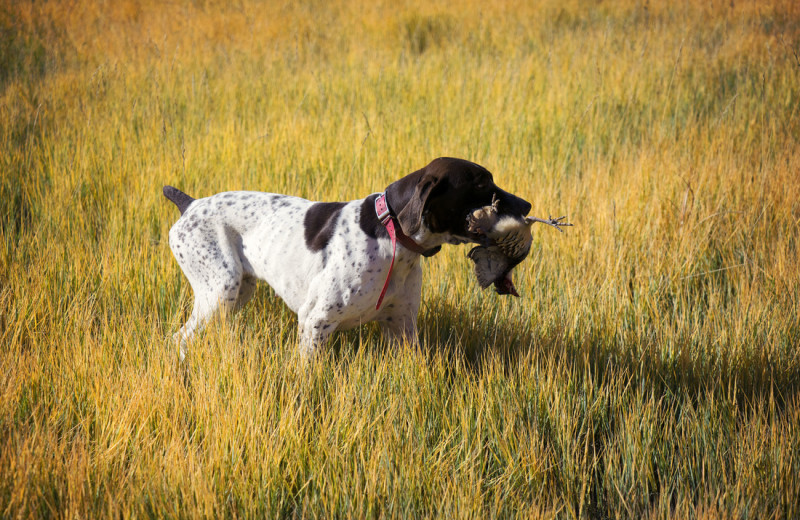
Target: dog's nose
x,y
511,204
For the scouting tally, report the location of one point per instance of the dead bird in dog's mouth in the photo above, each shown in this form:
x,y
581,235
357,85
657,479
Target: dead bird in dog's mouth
x,y
507,242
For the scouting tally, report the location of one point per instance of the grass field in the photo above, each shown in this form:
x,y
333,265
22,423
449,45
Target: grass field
x,y
650,369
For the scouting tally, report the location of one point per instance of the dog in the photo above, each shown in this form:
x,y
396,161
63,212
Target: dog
x,y
337,265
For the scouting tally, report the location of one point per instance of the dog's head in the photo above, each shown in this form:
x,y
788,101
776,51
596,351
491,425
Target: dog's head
x,y
438,198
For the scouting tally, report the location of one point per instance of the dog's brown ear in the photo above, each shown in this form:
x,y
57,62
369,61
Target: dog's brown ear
x,y
409,196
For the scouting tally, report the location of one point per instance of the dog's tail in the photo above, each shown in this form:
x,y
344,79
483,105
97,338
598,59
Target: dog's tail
x,y
180,199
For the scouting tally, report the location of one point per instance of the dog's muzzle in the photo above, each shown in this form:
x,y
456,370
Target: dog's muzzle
x,y
509,204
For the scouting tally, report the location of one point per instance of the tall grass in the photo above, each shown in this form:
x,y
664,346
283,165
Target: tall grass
x,y
650,368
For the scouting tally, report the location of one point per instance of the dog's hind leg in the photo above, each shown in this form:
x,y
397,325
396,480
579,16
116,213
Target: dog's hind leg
x,y
208,303
215,273
246,291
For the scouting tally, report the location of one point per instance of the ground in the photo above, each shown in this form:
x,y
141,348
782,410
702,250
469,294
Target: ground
x,y
649,369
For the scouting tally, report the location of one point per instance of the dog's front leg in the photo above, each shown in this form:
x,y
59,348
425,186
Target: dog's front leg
x,y
314,328
399,319
312,335
399,329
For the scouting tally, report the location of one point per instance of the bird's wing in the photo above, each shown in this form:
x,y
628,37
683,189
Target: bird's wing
x,y
490,265
516,244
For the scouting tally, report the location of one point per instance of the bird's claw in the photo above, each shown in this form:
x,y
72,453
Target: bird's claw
x,y
550,221
556,222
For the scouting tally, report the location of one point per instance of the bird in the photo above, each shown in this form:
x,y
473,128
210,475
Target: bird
x,y
507,242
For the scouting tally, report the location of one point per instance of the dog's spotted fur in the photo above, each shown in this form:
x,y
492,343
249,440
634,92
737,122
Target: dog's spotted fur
x,y
327,260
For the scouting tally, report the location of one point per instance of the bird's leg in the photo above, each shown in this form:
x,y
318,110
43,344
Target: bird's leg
x,y
550,221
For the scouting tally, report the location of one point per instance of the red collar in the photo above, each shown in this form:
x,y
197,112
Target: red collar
x,y
396,235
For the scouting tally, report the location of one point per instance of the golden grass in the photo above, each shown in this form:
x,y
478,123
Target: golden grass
x,y
651,368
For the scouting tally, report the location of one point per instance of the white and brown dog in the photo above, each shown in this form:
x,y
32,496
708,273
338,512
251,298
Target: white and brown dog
x,y
334,263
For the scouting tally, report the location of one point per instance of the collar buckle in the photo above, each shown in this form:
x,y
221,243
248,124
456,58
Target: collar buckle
x,y
382,209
